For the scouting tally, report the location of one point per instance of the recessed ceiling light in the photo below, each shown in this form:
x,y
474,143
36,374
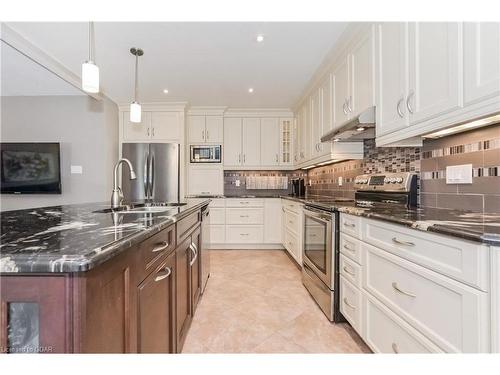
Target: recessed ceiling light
x,y
250,90
165,91
260,38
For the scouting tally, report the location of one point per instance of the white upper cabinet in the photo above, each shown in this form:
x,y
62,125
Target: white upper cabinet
x,y
214,129
196,129
481,61
286,141
435,69
133,131
251,141
327,103
361,70
316,125
270,141
232,145
340,79
205,129
205,180
391,76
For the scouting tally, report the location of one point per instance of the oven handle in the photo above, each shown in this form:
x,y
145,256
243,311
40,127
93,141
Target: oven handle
x,y
318,214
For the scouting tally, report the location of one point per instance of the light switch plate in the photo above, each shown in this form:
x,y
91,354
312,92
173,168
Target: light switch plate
x,y
459,174
341,180
237,182
76,169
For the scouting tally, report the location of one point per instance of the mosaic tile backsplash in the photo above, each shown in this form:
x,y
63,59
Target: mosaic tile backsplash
x,y
259,183
480,147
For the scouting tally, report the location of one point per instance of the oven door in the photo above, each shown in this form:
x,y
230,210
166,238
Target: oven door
x,y
318,244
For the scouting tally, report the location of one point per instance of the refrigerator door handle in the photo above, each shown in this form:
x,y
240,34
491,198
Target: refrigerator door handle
x,y
151,174
146,175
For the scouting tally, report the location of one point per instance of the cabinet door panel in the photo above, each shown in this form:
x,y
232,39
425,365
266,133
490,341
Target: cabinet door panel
x,y
316,125
392,77
232,144
214,129
340,93
196,129
306,130
183,291
166,126
155,317
481,60
362,76
205,180
140,131
270,141
435,69
251,141
195,263
272,220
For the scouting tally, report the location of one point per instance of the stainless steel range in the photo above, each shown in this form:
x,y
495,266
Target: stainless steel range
x,y
321,255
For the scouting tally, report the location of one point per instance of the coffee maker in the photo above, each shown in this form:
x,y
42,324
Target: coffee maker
x,y
298,187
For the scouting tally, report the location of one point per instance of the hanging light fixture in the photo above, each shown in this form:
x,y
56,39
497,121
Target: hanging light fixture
x,y
90,71
135,107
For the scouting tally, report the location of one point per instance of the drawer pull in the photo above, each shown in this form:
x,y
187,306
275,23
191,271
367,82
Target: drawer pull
x,y
348,248
243,215
348,304
350,225
395,348
244,234
194,250
290,222
396,287
160,246
241,202
399,242
166,273
348,271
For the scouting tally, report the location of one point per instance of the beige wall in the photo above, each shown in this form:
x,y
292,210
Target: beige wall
x,y
88,132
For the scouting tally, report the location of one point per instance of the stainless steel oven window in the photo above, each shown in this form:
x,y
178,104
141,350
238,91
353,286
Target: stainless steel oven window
x,y
315,242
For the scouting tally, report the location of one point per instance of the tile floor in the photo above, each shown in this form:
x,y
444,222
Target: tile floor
x,y
255,303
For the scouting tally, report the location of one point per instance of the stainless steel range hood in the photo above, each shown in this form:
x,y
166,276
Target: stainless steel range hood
x,y
356,129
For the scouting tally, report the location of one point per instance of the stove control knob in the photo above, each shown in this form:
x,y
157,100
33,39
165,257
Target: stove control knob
x,y
387,180
399,180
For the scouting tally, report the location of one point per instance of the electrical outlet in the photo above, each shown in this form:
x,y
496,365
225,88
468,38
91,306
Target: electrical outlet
x,y
76,169
237,182
341,180
459,174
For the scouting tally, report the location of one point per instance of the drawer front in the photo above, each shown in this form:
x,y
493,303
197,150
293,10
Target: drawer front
x,y
462,260
449,313
292,245
217,202
292,206
155,247
385,332
186,225
351,248
244,215
351,225
351,303
292,222
350,270
252,202
217,215
244,234
217,234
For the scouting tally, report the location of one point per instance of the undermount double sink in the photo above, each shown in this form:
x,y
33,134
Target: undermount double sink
x,y
140,208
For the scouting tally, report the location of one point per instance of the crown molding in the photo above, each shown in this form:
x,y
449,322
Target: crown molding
x,y
157,106
206,110
258,112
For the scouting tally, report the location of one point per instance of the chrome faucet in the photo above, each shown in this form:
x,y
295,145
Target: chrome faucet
x,y
117,195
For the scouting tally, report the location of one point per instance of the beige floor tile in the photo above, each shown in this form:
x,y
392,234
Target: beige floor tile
x,y
255,303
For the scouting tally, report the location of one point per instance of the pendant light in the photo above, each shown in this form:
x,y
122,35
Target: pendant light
x,y
90,71
135,107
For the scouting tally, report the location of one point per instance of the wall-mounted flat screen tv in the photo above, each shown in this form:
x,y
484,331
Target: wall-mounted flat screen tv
x,y
30,168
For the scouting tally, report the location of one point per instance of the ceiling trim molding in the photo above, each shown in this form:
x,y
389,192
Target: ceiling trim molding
x,y
42,58
337,52
207,110
258,112
160,106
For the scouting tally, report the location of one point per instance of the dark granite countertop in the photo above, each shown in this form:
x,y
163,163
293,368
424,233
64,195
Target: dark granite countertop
x,y
478,227
75,238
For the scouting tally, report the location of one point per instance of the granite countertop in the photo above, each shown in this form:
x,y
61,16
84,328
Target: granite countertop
x,y
478,227
75,238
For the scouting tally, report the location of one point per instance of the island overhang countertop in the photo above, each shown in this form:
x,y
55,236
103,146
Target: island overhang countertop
x,y
77,237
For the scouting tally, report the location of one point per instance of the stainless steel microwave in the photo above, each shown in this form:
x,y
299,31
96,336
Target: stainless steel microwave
x,y
205,153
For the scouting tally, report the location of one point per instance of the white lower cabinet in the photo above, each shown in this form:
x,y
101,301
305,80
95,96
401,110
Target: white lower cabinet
x,y
351,303
385,332
272,220
292,230
244,234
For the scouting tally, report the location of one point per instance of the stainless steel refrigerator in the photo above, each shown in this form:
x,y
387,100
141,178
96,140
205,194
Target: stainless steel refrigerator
x,y
157,168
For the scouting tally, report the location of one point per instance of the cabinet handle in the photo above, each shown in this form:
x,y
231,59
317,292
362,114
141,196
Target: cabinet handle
x,y
160,246
193,249
244,234
348,248
399,242
350,225
408,100
348,271
148,132
348,304
244,202
344,108
164,274
398,107
203,134
207,135
283,209
239,158
395,348
153,132
349,102
396,287
205,192
244,158
243,215
276,158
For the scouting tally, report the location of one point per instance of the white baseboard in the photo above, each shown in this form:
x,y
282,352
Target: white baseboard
x,y
247,246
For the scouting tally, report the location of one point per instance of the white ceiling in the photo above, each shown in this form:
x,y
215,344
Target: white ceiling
x,y
21,76
202,63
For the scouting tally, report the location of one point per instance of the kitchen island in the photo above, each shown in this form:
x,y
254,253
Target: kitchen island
x,y
85,279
